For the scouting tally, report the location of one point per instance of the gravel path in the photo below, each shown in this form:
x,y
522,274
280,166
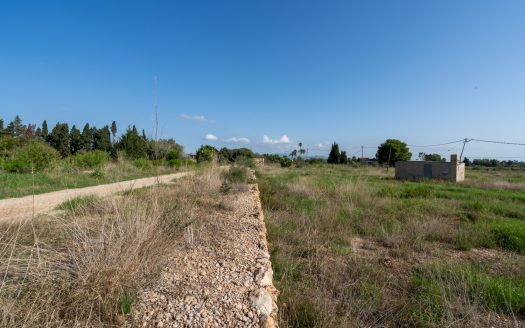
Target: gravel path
x,y
221,279
22,207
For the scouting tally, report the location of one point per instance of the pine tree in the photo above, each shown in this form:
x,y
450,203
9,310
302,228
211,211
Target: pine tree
x,y
59,139
75,140
1,127
45,131
335,155
132,144
15,128
114,130
102,139
343,159
87,138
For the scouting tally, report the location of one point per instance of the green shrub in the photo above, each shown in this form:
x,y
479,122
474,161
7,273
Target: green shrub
x,y
34,155
142,164
174,154
237,174
206,154
286,162
91,159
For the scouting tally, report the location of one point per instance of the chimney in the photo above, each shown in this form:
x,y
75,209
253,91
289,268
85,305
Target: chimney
x,y
454,158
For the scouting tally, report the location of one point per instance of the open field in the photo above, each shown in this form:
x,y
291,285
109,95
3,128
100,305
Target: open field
x,y
354,247
21,184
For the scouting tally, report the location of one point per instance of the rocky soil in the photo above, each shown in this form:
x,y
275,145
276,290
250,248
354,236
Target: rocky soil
x,y
220,276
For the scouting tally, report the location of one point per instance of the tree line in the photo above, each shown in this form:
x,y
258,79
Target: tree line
x,y
70,141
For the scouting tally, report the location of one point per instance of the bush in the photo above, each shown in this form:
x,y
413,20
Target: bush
x,y
174,154
90,160
143,164
34,155
237,174
206,154
286,162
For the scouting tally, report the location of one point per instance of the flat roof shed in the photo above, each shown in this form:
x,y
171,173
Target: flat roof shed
x,y
415,170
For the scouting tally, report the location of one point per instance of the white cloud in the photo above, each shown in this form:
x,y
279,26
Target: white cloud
x,y
200,118
210,137
282,140
241,140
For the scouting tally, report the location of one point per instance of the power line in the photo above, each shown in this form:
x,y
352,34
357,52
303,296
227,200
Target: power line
x,y
437,145
499,142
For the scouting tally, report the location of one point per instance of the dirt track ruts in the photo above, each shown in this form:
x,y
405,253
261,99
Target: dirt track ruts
x,y
22,207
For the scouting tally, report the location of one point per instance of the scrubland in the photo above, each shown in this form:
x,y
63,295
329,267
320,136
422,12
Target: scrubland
x,y
84,264
354,247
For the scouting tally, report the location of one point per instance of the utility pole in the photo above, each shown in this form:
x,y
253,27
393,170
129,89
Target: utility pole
x,y
362,152
462,149
388,162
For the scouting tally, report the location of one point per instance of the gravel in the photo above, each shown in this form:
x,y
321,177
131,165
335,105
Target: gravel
x,y
223,279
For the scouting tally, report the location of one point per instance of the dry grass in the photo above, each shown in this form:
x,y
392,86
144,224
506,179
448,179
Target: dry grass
x,y
84,267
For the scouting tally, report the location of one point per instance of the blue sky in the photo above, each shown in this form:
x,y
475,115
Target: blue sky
x,y
355,72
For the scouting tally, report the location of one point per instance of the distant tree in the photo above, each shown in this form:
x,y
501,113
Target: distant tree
x,y
45,131
293,154
343,159
102,139
87,138
75,138
335,155
285,162
132,144
59,139
467,161
29,132
206,153
144,135
15,128
431,157
38,133
159,149
1,127
398,151
114,130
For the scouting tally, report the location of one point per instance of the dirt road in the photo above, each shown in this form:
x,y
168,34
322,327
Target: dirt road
x,y
22,207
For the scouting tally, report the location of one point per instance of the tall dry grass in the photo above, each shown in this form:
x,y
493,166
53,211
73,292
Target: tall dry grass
x,y
84,267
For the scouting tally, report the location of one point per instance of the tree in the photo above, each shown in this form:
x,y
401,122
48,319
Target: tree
x,y
45,131
206,153
114,130
293,154
431,157
334,155
1,127
15,128
102,139
59,139
132,144
467,161
343,159
87,138
395,150
75,140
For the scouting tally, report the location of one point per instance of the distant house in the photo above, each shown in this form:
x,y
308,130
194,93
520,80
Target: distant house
x,y
415,170
367,161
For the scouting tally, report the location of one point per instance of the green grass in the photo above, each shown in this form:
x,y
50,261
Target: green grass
x,y
79,203
17,185
436,285
313,212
